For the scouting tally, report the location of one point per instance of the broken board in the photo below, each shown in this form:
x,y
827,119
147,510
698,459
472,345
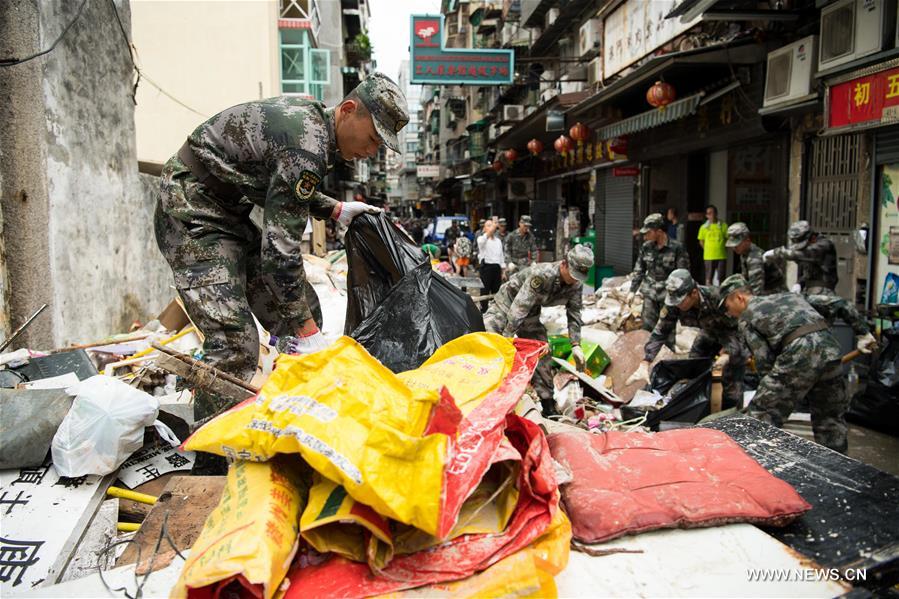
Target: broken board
x,y
626,355
854,521
187,500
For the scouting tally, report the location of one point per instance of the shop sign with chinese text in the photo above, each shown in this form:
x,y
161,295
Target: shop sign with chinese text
x,y
434,64
866,101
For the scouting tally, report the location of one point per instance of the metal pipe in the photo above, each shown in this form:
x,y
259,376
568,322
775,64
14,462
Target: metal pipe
x,y
22,328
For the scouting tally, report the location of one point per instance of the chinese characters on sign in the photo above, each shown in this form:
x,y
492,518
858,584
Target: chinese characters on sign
x,y
433,64
635,29
873,100
39,512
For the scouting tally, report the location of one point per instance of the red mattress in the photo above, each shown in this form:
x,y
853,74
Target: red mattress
x,y
626,483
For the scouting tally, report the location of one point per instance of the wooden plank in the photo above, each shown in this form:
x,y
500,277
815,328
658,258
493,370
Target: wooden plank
x,y
187,500
854,522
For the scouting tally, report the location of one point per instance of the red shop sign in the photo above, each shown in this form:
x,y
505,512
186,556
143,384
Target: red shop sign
x,y
873,100
625,171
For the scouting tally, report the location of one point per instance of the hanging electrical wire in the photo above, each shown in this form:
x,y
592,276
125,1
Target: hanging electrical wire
x,y
11,62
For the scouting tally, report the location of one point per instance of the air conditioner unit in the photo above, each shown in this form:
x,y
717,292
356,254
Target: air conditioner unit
x,y
790,75
851,29
551,15
594,71
521,189
569,87
547,80
513,112
590,38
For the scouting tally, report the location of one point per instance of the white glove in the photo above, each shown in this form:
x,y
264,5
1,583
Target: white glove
x,y
641,374
630,297
796,288
769,255
309,341
721,362
511,267
866,343
579,359
349,210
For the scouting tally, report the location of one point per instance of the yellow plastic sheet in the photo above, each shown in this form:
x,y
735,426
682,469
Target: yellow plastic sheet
x,y
252,533
360,425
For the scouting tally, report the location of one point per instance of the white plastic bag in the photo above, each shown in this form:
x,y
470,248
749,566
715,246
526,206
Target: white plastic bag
x,y
104,426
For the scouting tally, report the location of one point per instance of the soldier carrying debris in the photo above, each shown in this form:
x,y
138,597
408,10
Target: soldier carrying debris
x,y
796,352
273,154
815,255
659,257
515,310
697,306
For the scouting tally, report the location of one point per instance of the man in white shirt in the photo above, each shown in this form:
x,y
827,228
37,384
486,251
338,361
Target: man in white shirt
x,y
490,252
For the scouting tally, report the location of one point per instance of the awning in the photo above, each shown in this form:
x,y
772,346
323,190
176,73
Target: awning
x,y
652,118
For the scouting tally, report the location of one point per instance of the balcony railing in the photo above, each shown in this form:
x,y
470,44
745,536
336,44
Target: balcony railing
x,y
302,10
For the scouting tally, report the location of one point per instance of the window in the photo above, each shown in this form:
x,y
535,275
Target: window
x,y
304,70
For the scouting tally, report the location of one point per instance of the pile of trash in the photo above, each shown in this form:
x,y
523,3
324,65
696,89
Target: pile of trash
x,y
349,480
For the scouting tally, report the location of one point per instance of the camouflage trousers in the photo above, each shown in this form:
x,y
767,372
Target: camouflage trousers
x,y
495,322
217,272
708,346
809,366
652,307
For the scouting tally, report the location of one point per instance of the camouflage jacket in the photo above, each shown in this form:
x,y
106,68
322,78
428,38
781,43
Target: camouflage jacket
x,y
769,319
714,323
520,249
763,278
654,264
276,152
817,263
539,285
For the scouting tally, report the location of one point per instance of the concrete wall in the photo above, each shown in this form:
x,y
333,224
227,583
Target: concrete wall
x,y
330,37
78,228
206,56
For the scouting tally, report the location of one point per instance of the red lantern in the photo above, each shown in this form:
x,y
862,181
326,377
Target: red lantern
x,y
661,94
562,145
535,147
511,155
497,165
579,132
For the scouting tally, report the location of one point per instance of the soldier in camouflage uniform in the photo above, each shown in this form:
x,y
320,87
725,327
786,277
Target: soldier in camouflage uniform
x,y
501,229
520,246
815,255
515,309
797,354
764,277
659,256
273,154
697,306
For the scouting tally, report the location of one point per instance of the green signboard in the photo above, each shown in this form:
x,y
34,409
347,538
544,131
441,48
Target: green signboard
x,y
434,64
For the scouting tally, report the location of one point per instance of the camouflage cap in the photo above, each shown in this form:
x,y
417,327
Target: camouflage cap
x,y
729,285
501,221
525,220
580,259
653,221
736,233
799,233
387,105
678,285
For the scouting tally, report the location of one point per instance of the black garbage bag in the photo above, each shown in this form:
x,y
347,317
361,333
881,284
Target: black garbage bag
x,y
688,383
878,406
398,308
